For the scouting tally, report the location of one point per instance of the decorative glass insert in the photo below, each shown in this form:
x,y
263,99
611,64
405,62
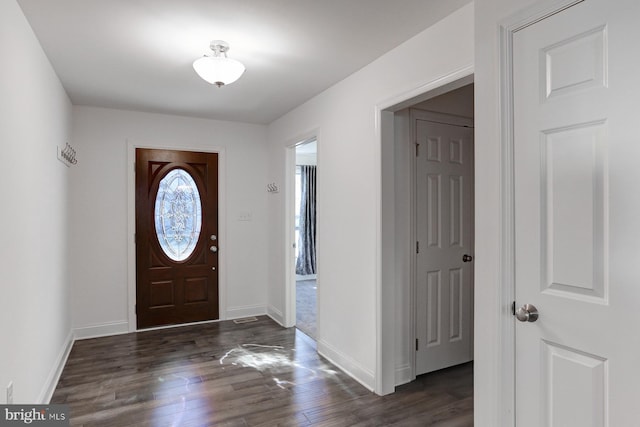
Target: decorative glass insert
x,y
178,214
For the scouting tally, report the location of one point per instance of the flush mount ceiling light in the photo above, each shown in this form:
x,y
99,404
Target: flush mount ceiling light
x,y
218,69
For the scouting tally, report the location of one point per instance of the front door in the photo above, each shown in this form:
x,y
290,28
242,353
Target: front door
x,y
176,237
577,216
444,225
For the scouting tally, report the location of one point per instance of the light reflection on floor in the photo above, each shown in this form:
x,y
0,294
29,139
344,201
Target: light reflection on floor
x,y
274,360
285,367
177,410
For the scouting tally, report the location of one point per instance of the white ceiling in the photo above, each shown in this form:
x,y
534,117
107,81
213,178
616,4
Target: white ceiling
x,y
137,54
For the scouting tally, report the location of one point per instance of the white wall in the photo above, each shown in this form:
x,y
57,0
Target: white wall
x,y
458,102
35,117
307,154
349,186
99,209
489,406
309,159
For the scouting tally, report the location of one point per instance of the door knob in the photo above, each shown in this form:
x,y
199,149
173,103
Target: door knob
x,y
214,237
467,258
527,313
213,249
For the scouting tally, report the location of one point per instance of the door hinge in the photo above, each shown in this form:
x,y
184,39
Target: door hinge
x,y
513,308
417,247
135,308
417,344
135,239
417,149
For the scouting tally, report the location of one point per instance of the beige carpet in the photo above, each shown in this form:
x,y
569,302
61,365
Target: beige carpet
x,y
306,307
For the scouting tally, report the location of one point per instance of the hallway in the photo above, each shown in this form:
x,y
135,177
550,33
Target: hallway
x,y
250,374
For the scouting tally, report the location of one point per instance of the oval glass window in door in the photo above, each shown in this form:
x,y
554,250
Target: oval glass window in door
x,y
178,214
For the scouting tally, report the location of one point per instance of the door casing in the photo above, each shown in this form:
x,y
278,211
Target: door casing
x,y
131,226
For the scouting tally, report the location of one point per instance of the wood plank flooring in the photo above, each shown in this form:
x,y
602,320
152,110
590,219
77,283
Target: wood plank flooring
x,y
252,374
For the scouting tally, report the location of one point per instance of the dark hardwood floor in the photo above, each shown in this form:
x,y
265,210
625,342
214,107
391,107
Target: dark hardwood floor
x,y
252,374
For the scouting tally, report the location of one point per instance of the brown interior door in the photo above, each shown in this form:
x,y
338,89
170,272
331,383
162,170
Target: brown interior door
x,y
176,237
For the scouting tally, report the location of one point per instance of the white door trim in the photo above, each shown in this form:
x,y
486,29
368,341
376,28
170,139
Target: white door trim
x,y
131,225
289,315
505,376
444,118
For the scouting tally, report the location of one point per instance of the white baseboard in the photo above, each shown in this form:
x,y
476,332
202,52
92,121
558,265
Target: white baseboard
x,y
245,311
347,364
54,376
101,330
403,375
276,315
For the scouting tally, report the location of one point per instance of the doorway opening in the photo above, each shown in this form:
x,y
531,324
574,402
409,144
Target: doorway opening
x,y
443,210
445,312
305,237
301,264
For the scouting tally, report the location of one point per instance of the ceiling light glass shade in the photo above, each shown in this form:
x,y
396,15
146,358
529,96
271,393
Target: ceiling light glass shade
x,y
218,70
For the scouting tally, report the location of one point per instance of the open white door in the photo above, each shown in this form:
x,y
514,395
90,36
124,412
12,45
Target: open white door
x,y
444,225
577,216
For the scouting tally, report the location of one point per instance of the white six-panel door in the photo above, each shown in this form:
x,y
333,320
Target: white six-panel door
x,y
444,224
577,216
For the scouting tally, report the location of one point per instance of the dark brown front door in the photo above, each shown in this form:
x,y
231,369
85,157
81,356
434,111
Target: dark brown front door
x,y
176,237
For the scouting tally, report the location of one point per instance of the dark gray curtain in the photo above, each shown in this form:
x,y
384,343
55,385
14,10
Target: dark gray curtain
x,y
306,262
